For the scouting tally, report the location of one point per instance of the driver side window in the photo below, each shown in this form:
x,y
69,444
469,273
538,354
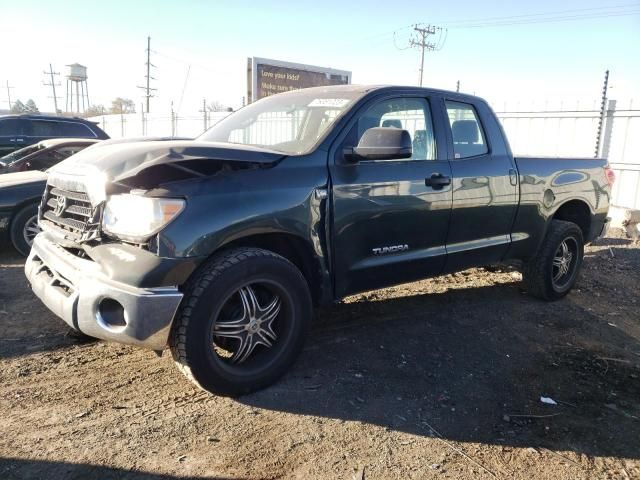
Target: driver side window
x,y
410,114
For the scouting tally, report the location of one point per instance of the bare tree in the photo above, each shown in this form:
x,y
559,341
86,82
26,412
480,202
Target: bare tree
x,y
18,107
122,105
31,107
216,106
95,110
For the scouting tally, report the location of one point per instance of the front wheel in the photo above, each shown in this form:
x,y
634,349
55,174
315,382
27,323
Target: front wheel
x,y
553,272
242,322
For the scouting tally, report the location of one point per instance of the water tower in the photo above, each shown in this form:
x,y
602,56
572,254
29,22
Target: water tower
x,y
77,79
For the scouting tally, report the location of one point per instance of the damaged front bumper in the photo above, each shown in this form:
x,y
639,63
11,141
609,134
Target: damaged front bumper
x,y
80,292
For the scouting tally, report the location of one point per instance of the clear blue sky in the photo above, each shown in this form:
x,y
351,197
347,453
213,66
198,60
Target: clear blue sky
x,y
558,60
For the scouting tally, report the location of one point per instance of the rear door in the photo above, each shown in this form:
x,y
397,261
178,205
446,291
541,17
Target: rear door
x,y
10,131
389,226
484,187
74,130
38,130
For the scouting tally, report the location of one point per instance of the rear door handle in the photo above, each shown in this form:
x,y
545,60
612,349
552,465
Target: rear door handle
x,y
437,181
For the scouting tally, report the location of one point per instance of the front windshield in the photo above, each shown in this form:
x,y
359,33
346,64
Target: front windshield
x,y
291,123
19,154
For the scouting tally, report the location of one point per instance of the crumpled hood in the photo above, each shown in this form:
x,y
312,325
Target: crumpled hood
x,y
117,162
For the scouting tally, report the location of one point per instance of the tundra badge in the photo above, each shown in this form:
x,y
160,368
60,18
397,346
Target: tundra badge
x,y
391,249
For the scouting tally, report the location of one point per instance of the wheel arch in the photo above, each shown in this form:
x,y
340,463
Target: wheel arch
x,y
20,206
292,247
575,211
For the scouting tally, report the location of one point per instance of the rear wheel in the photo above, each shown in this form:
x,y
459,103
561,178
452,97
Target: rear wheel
x,y
242,322
553,272
24,228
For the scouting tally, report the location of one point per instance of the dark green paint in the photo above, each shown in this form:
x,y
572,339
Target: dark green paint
x,y
494,209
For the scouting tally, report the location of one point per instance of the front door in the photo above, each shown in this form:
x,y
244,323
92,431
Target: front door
x,y
389,218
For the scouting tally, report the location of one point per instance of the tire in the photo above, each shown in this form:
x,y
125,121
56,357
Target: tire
x,y
551,274
209,348
21,230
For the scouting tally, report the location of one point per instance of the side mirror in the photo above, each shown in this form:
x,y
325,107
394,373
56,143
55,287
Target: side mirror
x,y
380,143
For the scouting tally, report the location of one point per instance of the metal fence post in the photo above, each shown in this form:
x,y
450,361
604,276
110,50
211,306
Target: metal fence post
x,y
603,106
143,133
608,129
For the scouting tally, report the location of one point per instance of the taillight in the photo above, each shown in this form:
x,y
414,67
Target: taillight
x,y
610,174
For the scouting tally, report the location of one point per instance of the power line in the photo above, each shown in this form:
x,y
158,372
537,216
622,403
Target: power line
x,y
191,63
184,87
551,19
53,85
552,16
543,14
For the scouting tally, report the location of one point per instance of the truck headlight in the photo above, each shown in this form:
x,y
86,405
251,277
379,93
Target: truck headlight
x,y
136,218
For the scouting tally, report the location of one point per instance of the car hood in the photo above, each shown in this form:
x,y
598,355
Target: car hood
x,y
121,161
21,178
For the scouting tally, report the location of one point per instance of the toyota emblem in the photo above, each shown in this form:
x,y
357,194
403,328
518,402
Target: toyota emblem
x,y
61,204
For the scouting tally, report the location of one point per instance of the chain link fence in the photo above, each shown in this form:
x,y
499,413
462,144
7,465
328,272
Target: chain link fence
x,y
573,132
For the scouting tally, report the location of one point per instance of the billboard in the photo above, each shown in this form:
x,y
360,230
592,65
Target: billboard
x,y
267,77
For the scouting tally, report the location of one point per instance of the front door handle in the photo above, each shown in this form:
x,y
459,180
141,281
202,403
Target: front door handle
x,y
513,177
437,181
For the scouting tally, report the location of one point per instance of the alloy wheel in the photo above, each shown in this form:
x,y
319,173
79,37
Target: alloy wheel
x,y
247,324
30,230
564,262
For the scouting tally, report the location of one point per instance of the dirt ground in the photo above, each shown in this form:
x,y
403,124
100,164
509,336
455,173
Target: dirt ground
x,y
435,379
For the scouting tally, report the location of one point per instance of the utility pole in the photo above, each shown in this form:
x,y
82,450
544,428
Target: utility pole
x,y
603,106
53,86
419,40
147,88
9,95
458,86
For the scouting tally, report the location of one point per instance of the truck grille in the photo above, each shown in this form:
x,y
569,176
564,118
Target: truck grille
x,y
69,213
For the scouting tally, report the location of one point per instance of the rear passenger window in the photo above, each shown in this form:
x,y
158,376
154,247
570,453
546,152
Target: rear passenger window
x,y
54,129
72,129
466,130
43,128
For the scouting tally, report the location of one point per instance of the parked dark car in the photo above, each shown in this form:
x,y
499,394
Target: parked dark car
x,y
43,154
20,195
219,248
18,131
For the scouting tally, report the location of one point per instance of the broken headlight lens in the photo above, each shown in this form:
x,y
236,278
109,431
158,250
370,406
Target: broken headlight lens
x,y
136,218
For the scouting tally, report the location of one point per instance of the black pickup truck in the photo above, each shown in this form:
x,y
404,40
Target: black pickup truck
x,y
219,248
